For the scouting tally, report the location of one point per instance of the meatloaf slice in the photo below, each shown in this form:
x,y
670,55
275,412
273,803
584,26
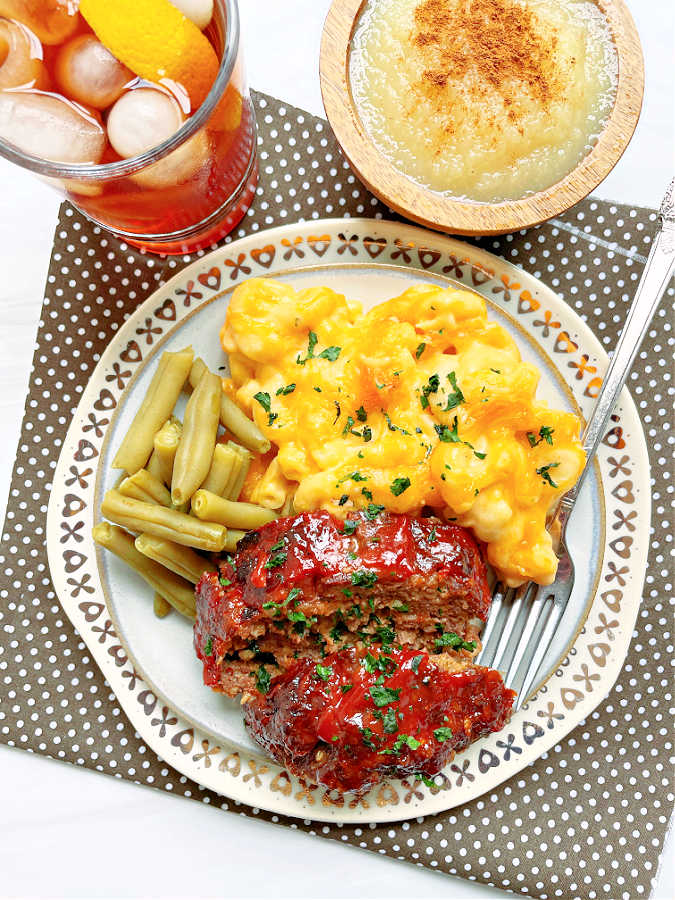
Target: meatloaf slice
x,y
308,585
358,716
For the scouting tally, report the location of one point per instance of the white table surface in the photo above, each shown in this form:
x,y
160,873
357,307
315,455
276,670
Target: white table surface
x,y
54,819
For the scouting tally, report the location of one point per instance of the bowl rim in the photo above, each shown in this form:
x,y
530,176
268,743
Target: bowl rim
x,y
443,213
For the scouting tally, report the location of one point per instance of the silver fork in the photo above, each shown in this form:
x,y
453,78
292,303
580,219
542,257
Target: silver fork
x,y
522,621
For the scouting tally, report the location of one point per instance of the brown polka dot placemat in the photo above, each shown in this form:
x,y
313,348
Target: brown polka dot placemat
x,y
589,819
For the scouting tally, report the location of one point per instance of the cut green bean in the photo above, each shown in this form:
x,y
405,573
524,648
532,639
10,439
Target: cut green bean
x,y
198,440
172,372
178,592
232,417
181,560
166,443
219,474
143,486
244,516
161,522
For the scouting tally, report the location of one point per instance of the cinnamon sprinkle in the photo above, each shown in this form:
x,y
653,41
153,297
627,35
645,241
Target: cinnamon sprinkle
x,y
498,40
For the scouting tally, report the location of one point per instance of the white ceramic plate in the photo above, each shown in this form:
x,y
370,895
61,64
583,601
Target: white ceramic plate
x,y
201,733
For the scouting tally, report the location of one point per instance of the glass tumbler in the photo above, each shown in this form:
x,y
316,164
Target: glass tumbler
x,y
149,200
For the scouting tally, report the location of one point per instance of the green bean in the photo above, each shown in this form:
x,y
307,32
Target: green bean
x,y
166,443
198,440
181,560
161,522
234,535
161,606
208,506
178,592
143,486
221,469
164,389
154,466
232,417
239,473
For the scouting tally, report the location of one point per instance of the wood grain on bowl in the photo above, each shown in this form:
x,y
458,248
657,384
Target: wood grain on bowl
x,y
442,211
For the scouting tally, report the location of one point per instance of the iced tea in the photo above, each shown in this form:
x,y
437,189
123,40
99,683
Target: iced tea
x,y
139,113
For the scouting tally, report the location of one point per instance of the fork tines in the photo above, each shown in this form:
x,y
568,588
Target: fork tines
x,y
518,632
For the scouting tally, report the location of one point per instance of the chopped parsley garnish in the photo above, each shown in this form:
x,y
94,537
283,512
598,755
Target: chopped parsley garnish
x,y
545,472
496,371
363,578
323,672
343,499
366,433
391,426
263,399
348,426
442,734
399,485
262,680
278,559
330,353
208,647
420,350
448,435
415,663
454,641
545,434
451,436
345,688
420,776
383,696
283,391
373,510
349,527
293,594
433,535
385,635
389,722
457,396
431,387
226,582
405,740
401,607
355,476
367,737
361,414
337,631
312,341
367,494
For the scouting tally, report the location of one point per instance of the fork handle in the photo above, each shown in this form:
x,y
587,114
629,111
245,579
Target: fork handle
x,y
655,276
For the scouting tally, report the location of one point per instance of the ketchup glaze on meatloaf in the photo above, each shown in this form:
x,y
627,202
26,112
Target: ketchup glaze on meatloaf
x,y
359,716
311,584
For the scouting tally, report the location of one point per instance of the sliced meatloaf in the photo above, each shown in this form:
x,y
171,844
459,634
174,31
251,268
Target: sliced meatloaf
x,y
358,716
309,585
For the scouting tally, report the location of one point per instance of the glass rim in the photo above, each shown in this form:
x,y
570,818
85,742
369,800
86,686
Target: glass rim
x,y
97,171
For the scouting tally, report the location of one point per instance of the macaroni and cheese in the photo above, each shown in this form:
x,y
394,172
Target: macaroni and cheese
x,y
418,402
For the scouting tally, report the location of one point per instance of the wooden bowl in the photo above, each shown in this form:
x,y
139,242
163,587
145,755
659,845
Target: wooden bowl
x,y
444,213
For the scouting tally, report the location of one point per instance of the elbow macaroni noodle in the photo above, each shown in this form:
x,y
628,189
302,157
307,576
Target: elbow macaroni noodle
x,y
419,402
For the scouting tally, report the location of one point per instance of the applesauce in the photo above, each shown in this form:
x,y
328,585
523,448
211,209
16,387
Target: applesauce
x,y
484,100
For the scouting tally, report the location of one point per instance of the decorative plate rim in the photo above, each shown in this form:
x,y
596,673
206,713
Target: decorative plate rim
x,y
253,778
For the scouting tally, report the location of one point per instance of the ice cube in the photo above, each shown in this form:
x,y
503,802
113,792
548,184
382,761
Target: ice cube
x,y
51,20
179,166
143,118
88,72
199,11
50,127
20,58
